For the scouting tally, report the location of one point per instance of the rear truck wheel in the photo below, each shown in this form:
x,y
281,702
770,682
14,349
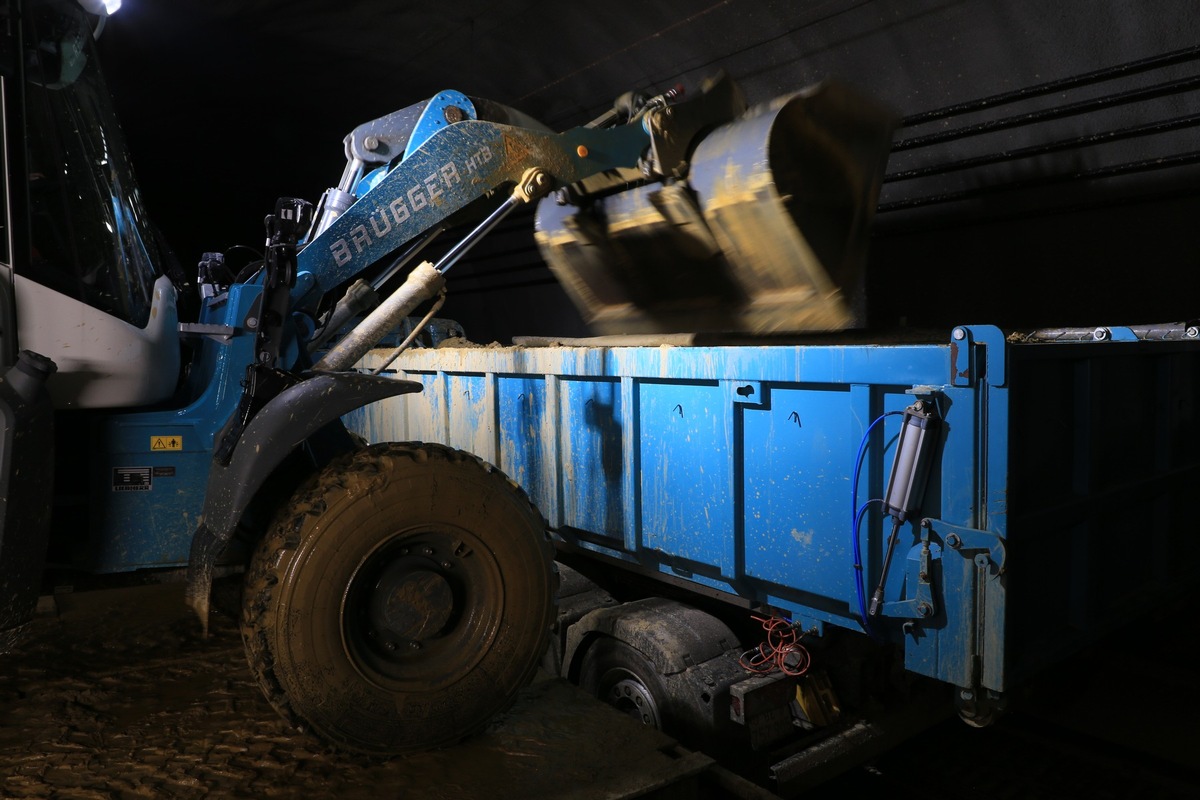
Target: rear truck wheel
x,y
625,679
661,661
400,600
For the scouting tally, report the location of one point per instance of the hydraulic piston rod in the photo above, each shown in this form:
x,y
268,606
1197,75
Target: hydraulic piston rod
x,y
906,485
425,281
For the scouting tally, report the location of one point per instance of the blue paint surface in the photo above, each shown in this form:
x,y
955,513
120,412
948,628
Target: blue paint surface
x,y
733,468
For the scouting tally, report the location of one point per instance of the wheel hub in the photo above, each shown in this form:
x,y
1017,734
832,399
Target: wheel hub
x,y
411,603
631,696
421,608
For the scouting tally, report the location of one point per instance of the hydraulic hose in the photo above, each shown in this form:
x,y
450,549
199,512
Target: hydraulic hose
x,y
856,518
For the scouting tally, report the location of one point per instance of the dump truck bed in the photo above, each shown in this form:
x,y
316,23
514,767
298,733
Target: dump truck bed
x,y
1056,508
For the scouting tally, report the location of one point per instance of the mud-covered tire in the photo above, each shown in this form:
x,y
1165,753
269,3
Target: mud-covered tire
x,y
401,599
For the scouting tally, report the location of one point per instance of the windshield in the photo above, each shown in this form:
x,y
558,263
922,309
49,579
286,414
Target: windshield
x,y
87,221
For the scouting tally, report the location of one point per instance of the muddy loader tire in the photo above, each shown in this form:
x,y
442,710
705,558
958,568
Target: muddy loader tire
x,y
401,599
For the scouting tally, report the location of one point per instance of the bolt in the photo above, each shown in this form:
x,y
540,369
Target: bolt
x,y
924,610
446,565
1193,331
953,542
371,143
959,334
251,322
537,181
454,114
1100,334
414,645
967,694
927,523
427,551
389,645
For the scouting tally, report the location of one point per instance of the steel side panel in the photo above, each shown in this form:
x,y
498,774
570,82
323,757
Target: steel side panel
x,y
686,481
591,430
521,402
799,458
470,413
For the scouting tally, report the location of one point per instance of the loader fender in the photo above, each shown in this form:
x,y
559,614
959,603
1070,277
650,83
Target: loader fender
x,y
288,419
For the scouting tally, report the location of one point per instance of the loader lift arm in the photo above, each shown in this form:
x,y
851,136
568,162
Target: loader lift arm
x,y
411,171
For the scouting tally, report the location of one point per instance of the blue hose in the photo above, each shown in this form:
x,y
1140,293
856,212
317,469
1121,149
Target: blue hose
x,y
858,576
856,515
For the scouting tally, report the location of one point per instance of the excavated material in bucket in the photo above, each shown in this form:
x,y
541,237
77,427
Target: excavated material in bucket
x,y
767,234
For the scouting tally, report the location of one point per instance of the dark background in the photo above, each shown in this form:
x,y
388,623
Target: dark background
x,y
229,104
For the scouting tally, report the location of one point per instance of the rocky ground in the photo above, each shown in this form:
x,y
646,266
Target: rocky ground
x,y
117,695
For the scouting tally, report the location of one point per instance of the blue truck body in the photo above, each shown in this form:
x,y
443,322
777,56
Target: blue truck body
x,y
1057,507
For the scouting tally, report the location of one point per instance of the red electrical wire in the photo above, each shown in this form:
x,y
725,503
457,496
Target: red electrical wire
x,y
781,651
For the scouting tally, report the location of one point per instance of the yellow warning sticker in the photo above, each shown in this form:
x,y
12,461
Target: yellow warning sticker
x,y
166,442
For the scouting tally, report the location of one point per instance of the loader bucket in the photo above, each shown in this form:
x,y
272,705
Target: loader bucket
x,y
768,233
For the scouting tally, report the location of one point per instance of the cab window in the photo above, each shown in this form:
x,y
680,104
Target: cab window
x,y
86,217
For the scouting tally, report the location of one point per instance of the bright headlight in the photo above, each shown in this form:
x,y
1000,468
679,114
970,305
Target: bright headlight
x,y
102,7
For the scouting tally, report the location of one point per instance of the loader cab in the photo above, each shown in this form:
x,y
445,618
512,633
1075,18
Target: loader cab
x,y
81,280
